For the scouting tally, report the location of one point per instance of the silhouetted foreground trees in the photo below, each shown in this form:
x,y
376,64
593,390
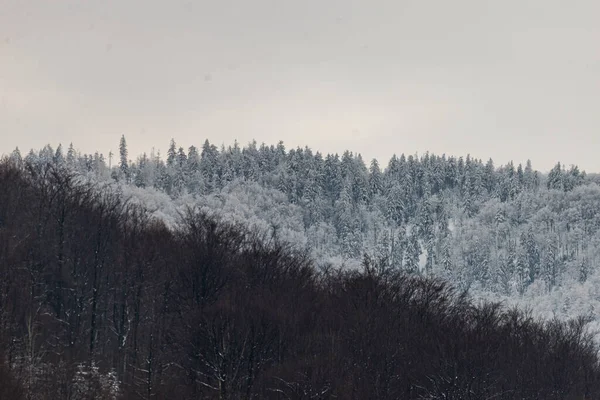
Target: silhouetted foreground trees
x,y
97,300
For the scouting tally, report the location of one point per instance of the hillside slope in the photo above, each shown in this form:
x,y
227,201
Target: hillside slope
x,y
101,300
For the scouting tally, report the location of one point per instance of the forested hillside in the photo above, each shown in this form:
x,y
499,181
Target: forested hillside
x,y
496,228
100,299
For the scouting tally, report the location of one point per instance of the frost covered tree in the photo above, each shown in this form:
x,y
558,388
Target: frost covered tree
x,y
413,254
71,155
375,179
172,154
123,160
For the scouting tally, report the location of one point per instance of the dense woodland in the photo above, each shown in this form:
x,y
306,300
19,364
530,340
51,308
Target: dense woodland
x,y
101,299
501,229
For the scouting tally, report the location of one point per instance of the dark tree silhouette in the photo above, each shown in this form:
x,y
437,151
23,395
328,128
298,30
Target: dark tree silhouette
x,y
100,301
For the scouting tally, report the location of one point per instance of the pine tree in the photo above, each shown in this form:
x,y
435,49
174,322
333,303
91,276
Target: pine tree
x,y
395,207
171,154
195,179
555,179
46,155
16,157
209,166
550,263
332,182
58,155
505,270
181,159
99,164
31,158
398,247
520,176
348,231
140,174
522,273
572,178
360,186
250,168
528,178
532,254
413,254
382,251
489,177
584,270
447,266
193,161
123,163
178,171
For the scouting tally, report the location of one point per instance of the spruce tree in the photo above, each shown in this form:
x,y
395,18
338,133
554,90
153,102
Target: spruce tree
x,y
123,163
171,153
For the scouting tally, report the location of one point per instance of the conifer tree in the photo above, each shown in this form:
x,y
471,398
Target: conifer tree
x,y
123,163
413,254
171,154
58,155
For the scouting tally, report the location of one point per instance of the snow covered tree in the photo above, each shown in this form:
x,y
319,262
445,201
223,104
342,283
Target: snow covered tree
x,y
413,254
58,155
172,154
446,261
16,157
551,263
395,206
555,178
71,155
123,161
375,179
584,270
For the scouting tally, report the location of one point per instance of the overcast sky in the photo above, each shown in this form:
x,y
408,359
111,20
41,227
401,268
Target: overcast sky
x,y
507,79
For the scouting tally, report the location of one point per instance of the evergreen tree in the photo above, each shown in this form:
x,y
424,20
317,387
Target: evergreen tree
x,y
398,247
250,157
332,182
520,176
140,171
506,269
98,164
360,185
123,163
489,177
58,155
172,154
555,179
413,254
550,265
209,166
46,155
348,231
522,273
16,157
395,207
71,155
584,270
194,178
572,178
382,251
446,261
528,178
193,161
532,254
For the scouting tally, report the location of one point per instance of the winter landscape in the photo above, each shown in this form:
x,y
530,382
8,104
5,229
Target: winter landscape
x,y
326,199
258,271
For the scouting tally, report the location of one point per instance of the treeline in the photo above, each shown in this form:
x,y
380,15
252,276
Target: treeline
x,y
100,301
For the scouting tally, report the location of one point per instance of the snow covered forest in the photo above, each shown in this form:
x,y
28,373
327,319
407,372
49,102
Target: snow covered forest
x,y
503,232
113,257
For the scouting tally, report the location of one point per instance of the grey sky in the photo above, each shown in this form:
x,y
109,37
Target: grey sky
x,y
510,79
